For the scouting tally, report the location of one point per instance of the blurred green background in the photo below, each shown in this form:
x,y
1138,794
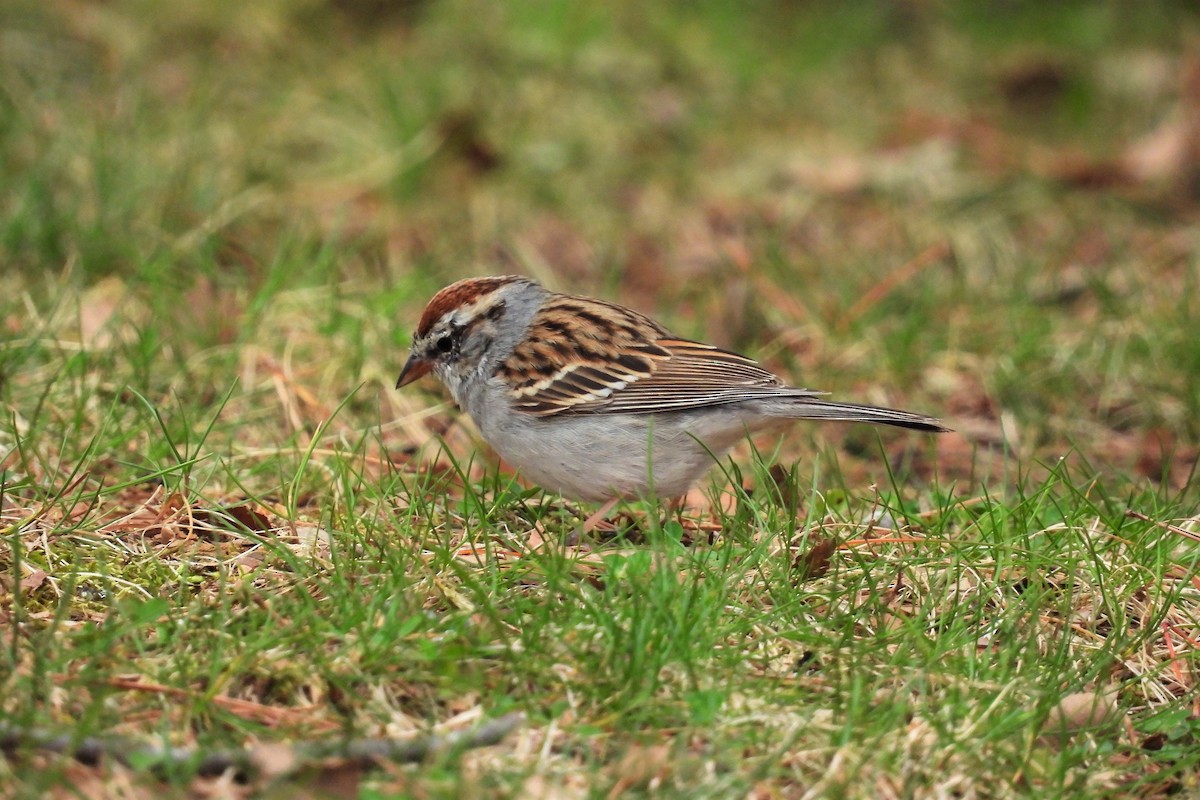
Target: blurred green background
x,y
975,208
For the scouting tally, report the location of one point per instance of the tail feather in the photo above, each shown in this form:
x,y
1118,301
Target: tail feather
x,y
853,412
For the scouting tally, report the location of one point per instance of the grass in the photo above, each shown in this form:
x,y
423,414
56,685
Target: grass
x,y
222,527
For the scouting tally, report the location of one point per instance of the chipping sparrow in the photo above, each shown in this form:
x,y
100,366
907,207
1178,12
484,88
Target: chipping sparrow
x,y
596,401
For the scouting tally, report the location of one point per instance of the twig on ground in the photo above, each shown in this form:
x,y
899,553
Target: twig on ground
x,y
890,282
362,753
1129,512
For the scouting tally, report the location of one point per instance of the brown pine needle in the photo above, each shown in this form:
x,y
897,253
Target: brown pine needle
x,y
1129,512
890,282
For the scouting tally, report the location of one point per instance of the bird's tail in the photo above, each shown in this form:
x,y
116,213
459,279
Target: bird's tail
x,y
852,412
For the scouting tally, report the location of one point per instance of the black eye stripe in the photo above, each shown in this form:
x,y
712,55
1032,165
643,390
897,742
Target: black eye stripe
x,y
495,312
451,338
445,342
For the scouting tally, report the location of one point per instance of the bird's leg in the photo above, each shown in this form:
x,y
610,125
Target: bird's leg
x,y
574,537
590,524
595,519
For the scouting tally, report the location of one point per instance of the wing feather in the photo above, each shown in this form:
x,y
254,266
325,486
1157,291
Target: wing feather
x,y
623,362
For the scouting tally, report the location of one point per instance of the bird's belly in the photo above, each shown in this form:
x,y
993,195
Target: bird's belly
x,y
598,456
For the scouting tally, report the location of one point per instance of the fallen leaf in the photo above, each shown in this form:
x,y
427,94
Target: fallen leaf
x,y
33,581
1034,84
814,563
463,137
97,307
639,767
336,779
250,516
1080,712
273,759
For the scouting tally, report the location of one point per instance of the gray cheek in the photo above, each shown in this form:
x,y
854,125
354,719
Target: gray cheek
x,y
451,380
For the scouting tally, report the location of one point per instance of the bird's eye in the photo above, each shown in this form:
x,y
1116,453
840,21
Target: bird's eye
x,y
444,344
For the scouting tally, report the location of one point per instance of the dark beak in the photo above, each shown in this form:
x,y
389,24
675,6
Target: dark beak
x,y
414,369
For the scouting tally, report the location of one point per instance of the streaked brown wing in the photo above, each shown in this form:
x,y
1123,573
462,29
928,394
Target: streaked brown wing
x,y
642,377
582,355
694,375
579,351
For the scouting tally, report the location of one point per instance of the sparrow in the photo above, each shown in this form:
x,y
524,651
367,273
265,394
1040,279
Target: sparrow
x,y
597,402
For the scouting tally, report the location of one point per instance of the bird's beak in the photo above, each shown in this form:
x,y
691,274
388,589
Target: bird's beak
x,y
414,369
